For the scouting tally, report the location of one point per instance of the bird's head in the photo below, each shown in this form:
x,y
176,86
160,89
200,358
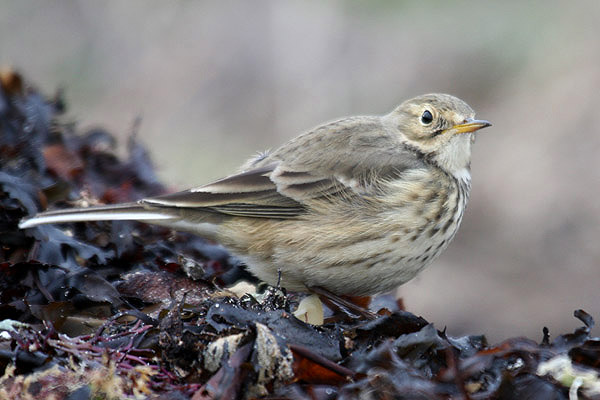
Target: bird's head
x,y
441,127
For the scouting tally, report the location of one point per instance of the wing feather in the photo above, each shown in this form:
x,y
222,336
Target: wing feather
x,y
282,183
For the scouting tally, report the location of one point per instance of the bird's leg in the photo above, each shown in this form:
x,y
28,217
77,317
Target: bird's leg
x,y
347,306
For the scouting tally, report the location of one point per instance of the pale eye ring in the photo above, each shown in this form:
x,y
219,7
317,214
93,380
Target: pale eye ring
x,y
426,117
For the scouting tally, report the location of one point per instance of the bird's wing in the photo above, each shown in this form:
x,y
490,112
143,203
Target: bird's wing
x,y
251,194
346,157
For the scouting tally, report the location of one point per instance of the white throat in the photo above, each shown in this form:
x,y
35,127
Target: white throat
x,y
455,157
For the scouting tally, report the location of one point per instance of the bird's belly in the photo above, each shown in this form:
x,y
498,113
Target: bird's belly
x,y
355,264
352,255
390,264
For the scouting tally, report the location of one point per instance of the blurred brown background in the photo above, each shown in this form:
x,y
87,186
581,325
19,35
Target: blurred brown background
x,y
216,81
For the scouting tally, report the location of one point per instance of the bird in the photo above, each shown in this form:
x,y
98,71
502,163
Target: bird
x,y
357,206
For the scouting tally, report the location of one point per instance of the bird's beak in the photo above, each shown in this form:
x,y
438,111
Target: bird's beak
x,y
470,125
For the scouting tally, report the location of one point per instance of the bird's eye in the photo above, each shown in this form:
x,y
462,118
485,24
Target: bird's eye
x,y
426,118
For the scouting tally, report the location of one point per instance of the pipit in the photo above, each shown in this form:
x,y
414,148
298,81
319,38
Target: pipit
x,y
356,206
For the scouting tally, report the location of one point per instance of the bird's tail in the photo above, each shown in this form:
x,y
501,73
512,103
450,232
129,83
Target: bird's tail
x,y
126,211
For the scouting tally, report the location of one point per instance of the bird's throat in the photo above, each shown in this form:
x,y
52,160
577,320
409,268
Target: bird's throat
x,y
455,157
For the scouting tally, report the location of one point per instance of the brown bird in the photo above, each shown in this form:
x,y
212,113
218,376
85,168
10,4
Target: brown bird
x,y
355,206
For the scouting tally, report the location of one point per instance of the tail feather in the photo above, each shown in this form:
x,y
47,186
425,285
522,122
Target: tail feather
x,y
127,211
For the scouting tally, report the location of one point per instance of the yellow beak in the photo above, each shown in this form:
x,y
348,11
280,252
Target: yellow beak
x,y
471,125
